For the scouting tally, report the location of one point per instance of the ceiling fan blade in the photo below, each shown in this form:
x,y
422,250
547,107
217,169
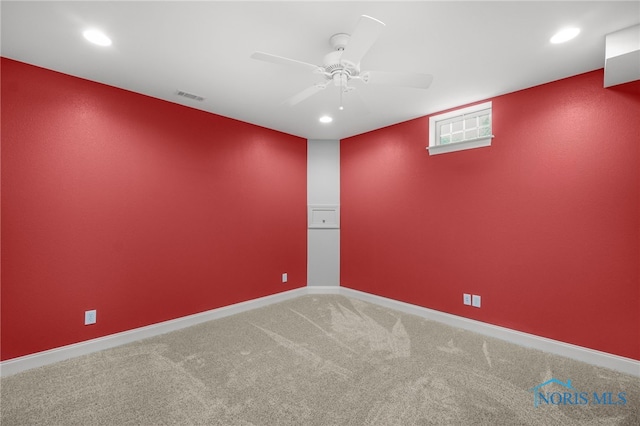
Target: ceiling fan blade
x,y
365,34
267,57
306,93
407,79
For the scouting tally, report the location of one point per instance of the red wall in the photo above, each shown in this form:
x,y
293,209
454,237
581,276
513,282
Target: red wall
x,y
142,209
544,224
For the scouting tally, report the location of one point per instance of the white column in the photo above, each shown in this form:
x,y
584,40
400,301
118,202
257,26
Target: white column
x,y
323,187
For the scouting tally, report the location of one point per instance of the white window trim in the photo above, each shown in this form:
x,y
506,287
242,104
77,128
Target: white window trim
x,y
435,149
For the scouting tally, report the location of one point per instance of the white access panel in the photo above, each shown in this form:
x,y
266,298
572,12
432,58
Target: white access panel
x,y
324,216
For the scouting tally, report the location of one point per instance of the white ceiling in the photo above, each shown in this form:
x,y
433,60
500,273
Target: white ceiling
x,y
474,50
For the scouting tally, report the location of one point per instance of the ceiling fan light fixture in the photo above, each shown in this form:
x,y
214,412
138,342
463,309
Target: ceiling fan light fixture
x,y
564,35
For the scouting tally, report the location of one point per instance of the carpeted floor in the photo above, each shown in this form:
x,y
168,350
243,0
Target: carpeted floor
x,y
320,360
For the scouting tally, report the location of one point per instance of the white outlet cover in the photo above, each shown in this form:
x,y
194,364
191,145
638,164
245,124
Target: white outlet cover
x,y
90,317
285,277
466,299
475,301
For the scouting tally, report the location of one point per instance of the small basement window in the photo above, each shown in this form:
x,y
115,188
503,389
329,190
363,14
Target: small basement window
x,y
464,128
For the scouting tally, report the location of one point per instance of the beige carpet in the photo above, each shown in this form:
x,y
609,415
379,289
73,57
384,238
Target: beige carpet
x,y
319,360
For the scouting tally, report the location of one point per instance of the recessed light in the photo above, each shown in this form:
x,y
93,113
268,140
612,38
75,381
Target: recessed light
x,y
325,119
97,37
565,34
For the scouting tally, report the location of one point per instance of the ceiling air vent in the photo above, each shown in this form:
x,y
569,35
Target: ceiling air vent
x,y
189,96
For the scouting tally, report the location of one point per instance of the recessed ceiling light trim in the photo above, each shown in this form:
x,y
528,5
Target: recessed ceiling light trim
x,y
565,35
325,119
97,37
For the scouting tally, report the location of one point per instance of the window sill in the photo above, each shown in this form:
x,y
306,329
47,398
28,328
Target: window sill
x,y
459,146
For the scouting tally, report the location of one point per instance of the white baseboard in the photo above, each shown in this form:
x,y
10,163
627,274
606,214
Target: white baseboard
x,y
591,356
324,289
39,359
579,353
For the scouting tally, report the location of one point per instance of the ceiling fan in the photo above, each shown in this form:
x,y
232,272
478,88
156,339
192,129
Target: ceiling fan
x,y
342,65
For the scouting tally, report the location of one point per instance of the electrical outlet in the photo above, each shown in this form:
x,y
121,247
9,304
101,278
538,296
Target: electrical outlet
x,y
475,301
285,277
90,317
466,299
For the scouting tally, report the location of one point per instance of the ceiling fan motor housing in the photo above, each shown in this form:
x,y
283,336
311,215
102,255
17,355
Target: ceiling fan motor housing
x,y
335,70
